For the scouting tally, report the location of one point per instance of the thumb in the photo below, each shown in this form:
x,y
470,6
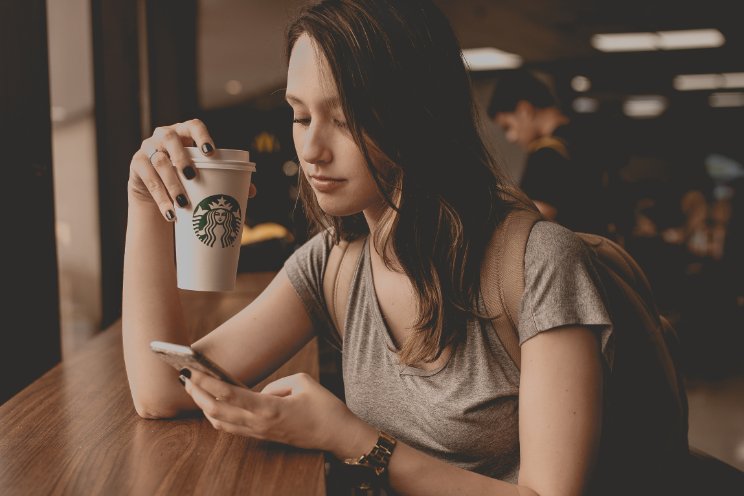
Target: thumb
x,y
280,387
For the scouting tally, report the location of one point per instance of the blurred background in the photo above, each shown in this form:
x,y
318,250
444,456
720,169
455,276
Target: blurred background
x,y
656,85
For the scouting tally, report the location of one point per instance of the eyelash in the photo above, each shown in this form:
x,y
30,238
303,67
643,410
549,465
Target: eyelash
x,y
306,122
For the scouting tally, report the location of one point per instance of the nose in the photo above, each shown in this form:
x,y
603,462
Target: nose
x,y
315,146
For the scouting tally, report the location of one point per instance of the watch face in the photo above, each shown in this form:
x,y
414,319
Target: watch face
x,y
373,464
355,476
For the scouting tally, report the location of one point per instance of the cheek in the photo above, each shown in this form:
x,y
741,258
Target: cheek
x,y
297,135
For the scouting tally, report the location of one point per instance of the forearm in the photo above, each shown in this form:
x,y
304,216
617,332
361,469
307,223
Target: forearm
x,y
412,472
151,310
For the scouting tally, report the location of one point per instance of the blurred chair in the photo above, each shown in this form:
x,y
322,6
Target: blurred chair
x,y
264,247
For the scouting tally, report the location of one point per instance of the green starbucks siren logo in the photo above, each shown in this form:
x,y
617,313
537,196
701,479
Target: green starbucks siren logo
x,y
217,217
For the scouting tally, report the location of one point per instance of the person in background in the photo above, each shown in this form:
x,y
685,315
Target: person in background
x,y
562,186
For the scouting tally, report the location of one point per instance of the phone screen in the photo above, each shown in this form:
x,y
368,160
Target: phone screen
x,y
179,357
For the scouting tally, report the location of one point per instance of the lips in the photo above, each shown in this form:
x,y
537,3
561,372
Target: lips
x,y
325,178
325,184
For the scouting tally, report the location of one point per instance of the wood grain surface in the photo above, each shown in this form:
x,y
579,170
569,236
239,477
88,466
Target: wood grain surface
x,y
75,431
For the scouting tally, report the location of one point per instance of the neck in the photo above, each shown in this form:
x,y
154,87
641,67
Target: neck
x,y
373,215
550,119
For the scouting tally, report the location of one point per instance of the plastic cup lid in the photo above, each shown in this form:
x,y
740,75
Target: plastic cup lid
x,y
221,158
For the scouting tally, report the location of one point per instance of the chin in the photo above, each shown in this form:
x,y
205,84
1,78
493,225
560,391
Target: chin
x,y
338,210
336,206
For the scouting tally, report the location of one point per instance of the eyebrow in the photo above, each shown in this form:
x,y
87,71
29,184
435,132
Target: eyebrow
x,y
332,102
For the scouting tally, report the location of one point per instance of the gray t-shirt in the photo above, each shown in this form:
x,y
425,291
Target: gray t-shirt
x,y
465,412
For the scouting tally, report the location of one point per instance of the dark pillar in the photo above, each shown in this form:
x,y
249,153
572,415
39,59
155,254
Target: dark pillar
x,y
30,309
143,78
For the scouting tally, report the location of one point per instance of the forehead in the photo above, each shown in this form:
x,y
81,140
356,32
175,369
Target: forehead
x,y
308,75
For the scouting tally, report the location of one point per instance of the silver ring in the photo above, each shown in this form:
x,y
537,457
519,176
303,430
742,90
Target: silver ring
x,y
153,154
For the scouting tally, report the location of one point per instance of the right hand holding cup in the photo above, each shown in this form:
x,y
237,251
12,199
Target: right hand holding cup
x,y
152,175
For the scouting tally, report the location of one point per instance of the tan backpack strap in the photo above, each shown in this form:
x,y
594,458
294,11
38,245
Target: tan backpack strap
x,y
551,142
502,277
337,280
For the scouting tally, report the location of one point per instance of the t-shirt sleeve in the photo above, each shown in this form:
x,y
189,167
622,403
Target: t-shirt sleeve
x,y
305,269
562,287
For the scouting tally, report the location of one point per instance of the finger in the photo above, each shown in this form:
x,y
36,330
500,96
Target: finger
x,y
170,139
286,385
252,191
142,167
281,391
219,410
230,428
224,392
217,388
197,130
280,387
163,165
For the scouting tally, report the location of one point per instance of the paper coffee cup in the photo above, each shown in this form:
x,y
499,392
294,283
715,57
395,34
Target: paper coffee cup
x,y
208,229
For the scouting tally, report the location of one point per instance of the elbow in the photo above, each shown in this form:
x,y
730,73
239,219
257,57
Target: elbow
x,y
153,410
148,412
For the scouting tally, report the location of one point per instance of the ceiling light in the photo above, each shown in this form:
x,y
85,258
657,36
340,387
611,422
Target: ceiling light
x,y
581,83
691,82
733,80
644,107
662,40
625,42
233,87
486,59
690,38
585,105
290,168
730,99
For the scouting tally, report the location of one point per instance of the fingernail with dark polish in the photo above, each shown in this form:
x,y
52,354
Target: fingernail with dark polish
x,y
189,172
207,148
182,201
170,215
182,379
185,372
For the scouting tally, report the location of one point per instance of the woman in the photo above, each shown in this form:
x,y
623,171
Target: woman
x,y
384,128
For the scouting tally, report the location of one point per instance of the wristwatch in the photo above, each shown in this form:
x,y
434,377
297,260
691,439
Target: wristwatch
x,y
378,458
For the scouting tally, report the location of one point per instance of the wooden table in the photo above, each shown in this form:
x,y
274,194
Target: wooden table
x,y
75,431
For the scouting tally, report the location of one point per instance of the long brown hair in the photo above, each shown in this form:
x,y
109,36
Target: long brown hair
x,y
406,97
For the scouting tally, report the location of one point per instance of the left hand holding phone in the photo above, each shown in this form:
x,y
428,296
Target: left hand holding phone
x,y
294,410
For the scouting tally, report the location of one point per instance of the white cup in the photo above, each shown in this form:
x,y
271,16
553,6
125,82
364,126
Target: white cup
x,y
208,229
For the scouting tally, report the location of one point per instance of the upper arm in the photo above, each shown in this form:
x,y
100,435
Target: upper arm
x,y
560,410
262,336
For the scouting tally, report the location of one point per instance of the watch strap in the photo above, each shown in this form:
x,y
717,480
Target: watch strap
x,y
379,456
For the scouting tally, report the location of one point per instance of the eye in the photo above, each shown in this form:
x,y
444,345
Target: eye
x,y
302,121
340,123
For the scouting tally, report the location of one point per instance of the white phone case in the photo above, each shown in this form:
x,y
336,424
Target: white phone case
x,y
179,357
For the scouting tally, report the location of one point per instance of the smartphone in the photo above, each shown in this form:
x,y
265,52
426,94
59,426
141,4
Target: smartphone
x,y
180,357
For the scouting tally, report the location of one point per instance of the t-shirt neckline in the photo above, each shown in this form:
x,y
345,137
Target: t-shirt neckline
x,y
391,350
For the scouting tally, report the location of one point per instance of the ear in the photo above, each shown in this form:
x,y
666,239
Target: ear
x,y
525,108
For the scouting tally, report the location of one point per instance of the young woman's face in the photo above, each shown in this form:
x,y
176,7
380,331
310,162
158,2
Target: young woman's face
x,y
330,159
